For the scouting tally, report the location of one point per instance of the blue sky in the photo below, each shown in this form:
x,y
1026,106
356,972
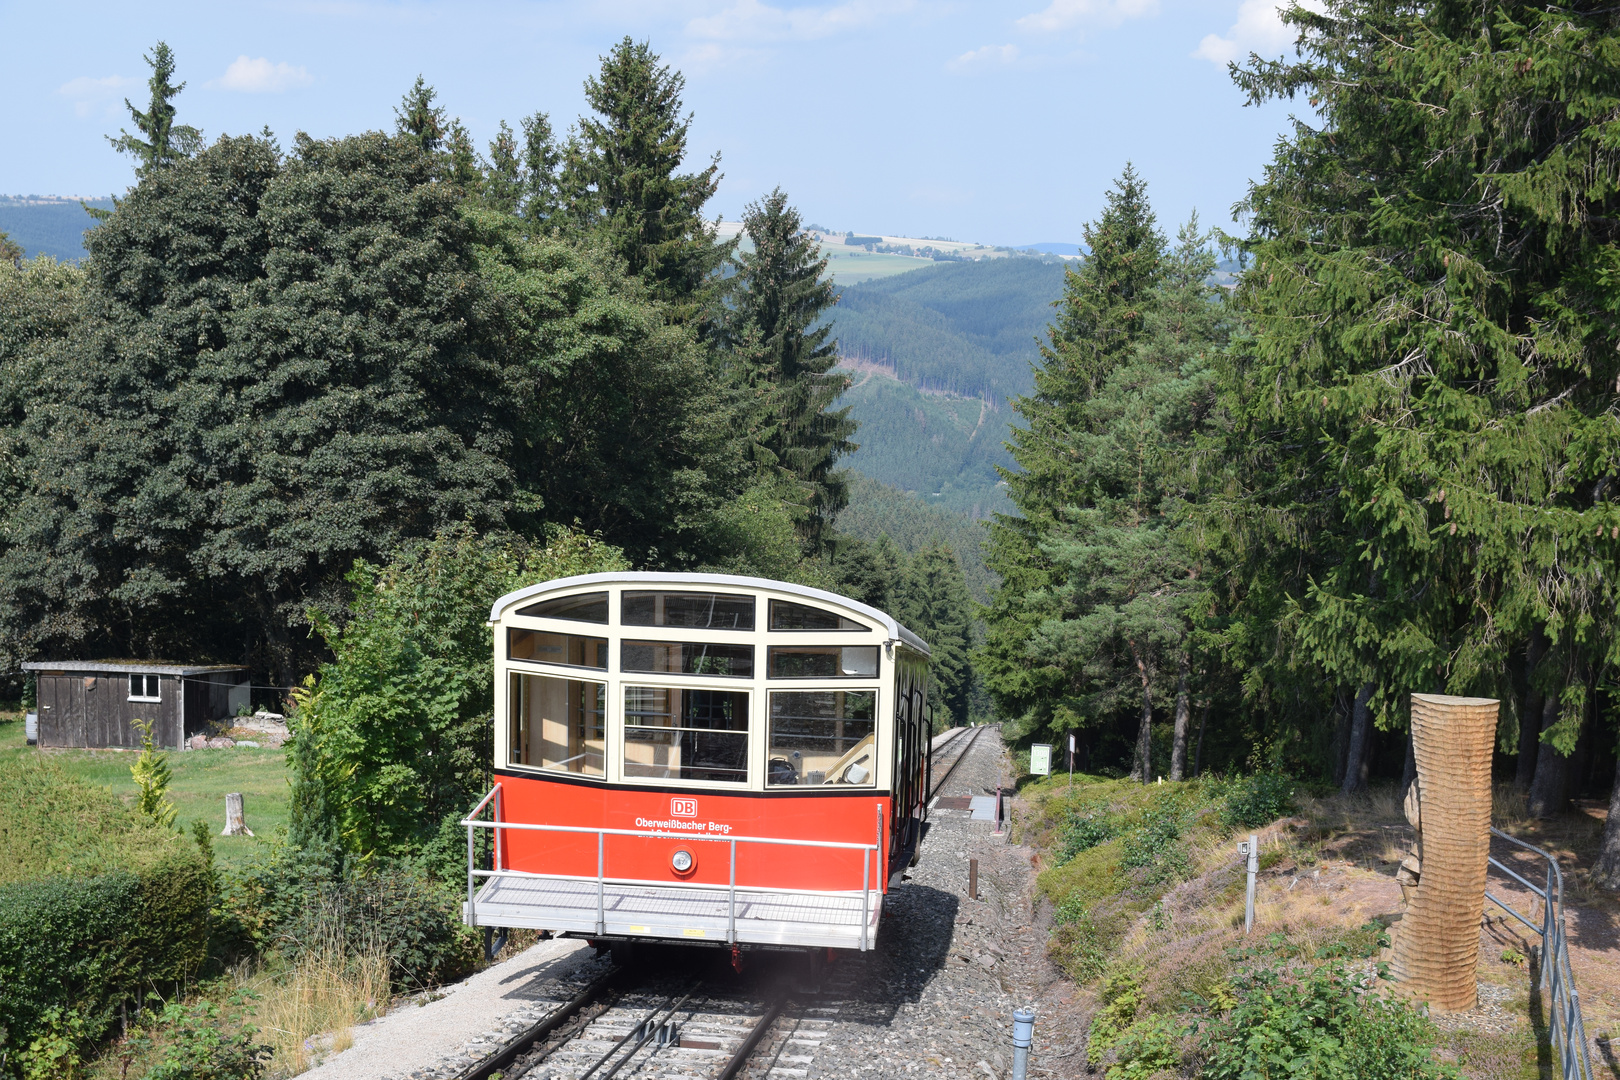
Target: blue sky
x,y
996,122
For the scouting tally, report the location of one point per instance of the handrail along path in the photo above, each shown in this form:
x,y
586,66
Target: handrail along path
x,y
1567,1029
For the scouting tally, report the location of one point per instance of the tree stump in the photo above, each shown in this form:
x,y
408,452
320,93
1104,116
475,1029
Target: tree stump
x,y
234,823
1436,947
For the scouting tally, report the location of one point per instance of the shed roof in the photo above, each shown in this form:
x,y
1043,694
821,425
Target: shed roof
x,y
129,667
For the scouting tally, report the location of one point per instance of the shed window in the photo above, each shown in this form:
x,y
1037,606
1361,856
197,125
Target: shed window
x,y
786,615
687,658
686,734
822,737
823,661
549,648
585,607
558,724
145,688
696,610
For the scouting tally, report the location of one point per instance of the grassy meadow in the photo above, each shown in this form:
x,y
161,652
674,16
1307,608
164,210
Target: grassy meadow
x,y
201,780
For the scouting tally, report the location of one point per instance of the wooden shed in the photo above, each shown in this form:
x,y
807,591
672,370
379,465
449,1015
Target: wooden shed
x,y
91,703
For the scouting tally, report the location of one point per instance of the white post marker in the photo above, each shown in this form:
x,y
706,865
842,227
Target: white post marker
x,y
1071,759
1040,759
1250,848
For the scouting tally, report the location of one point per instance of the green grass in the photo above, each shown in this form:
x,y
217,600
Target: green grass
x,y
202,779
857,264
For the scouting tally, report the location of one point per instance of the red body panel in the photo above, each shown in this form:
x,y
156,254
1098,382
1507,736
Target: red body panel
x,y
704,819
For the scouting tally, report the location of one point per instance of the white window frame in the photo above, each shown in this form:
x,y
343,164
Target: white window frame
x,y
144,676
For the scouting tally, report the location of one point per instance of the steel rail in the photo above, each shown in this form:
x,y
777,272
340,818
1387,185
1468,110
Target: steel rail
x,y
647,1028
740,1059
957,760
524,1040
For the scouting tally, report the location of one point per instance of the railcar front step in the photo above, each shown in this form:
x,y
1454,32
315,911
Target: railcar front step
x,y
763,917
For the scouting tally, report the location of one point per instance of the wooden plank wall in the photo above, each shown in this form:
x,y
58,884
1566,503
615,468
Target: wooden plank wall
x,y
95,711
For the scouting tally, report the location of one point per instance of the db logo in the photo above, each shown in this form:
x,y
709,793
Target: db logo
x,y
683,808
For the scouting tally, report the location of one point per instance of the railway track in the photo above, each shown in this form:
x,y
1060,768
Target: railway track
x,y
656,1024
967,745
672,1028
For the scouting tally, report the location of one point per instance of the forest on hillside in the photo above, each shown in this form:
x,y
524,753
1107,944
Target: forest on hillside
x,y
935,356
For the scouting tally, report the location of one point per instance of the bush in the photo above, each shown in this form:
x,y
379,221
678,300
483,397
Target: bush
x,y
1327,1024
205,1043
298,902
93,944
1258,800
97,907
1091,825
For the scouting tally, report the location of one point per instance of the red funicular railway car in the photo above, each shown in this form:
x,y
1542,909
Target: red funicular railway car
x,y
699,758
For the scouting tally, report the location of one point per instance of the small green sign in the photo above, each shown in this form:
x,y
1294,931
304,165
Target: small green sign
x,y
1040,759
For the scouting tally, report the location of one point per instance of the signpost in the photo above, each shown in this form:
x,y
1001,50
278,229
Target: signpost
x,y
1040,759
1071,759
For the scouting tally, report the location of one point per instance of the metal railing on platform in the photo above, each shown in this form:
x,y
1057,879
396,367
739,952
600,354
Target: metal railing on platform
x,y
1566,1029
868,853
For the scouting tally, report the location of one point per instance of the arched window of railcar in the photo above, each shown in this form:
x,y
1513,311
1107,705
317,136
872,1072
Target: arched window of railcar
x,y
787,615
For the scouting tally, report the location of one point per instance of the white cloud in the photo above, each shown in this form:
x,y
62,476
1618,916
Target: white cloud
x,y
1062,14
750,20
986,57
1259,29
87,93
260,76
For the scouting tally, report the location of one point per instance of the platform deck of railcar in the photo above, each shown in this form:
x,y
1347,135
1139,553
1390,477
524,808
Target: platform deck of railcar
x,y
763,917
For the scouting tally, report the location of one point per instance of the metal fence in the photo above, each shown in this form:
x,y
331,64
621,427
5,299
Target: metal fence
x,y
1566,1028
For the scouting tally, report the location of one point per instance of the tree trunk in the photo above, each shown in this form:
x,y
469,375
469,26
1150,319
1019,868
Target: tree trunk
x,y
1530,714
1409,769
1203,721
1606,870
1550,788
1142,762
1178,748
1355,762
1341,736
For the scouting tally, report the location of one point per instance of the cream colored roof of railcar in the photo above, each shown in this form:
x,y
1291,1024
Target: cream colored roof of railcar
x,y
895,631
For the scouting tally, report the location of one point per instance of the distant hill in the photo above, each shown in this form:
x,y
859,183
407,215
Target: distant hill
x,y
936,356
48,224
1068,250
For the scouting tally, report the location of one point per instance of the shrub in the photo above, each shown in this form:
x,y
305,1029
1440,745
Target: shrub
x,y
92,944
97,906
1154,843
202,1042
1258,800
1327,1024
298,902
1091,825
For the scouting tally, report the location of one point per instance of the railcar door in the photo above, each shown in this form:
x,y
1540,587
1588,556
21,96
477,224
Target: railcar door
x,y
910,752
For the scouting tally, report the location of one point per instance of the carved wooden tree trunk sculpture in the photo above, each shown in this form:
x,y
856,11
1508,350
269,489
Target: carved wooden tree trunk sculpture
x,y
1436,948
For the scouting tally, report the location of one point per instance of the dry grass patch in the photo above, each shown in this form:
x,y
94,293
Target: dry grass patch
x,y
310,1009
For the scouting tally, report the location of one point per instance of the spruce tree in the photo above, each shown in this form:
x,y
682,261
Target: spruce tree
x,y
781,357
1100,319
419,120
158,142
1424,416
621,181
1125,559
